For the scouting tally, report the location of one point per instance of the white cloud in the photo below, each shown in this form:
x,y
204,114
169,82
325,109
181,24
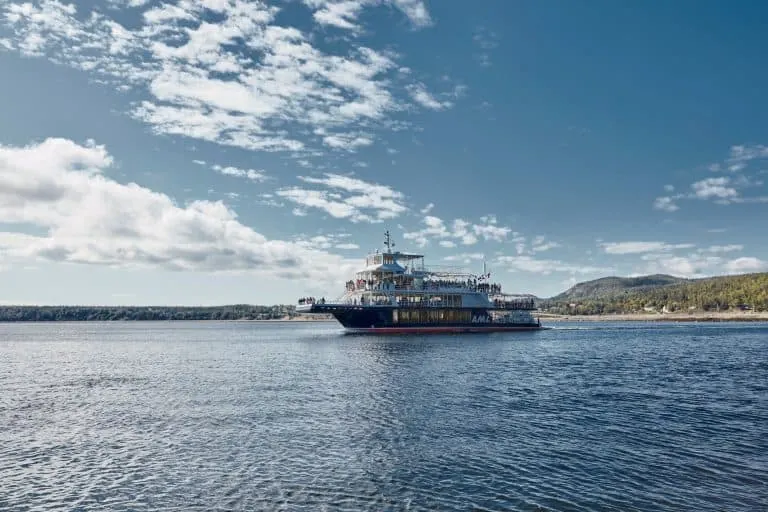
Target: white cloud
x,y
345,197
253,175
722,248
427,208
694,265
666,204
722,190
485,40
531,264
424,98
466,258
746,264
327,241
415,10
460,230
714,188
343,14
640,247
235,78
746,153
59,186
348,142
541,244
705,262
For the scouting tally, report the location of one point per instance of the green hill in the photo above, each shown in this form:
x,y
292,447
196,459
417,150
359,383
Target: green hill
x,y
612,286
663,293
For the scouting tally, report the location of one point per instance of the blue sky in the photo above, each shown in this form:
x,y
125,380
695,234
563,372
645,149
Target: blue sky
x,y
228,151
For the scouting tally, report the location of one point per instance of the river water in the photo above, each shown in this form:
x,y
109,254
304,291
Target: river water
x,y
296,416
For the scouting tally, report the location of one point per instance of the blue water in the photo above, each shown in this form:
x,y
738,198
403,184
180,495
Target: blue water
x,y
249,416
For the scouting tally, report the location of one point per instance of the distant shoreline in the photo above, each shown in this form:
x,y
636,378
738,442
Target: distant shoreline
x,y
661,317
544,317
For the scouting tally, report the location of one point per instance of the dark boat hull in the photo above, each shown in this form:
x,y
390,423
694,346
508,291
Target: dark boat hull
x,y
382,320
447,329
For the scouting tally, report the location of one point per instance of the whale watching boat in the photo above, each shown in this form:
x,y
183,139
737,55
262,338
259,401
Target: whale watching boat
x,y
396,293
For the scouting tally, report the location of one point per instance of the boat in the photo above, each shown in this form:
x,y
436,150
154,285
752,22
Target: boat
x,y
396,293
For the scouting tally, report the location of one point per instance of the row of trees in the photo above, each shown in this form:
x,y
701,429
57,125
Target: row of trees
x,y
743,292
95,313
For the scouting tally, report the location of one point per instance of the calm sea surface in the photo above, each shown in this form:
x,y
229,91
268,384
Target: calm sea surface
x,y
295,416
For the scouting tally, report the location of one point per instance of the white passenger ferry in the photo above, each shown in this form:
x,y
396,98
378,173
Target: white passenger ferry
x,y
396,293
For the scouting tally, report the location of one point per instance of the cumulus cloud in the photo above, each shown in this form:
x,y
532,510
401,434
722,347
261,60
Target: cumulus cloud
x,y
694,265
327,241
466,258
640,247
746,153
251,174
59,186
541,244
665,203
714,188
526,263
225,72
424,98
343,14
722,248
746,264
701,264
730,188
346,197
459,231
659,258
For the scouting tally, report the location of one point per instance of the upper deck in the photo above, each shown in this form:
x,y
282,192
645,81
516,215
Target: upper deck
x,y
398,279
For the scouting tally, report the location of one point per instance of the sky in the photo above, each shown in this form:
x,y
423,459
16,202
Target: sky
x,y
204,152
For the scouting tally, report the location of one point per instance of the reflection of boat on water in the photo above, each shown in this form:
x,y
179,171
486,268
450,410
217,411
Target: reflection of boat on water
x,y
396,293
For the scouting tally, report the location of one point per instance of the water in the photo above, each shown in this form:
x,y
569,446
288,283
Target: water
x,y
247,416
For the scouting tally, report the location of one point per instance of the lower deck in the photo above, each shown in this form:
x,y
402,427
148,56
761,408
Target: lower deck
x,y
394,319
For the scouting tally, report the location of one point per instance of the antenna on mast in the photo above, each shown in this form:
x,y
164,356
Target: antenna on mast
x,y
388,243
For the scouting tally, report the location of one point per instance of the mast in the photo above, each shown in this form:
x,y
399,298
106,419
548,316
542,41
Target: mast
x,y
388,243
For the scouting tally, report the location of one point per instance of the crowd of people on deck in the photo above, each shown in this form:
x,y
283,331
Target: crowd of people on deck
x,y
311,300
370,284
369,301
471,284
429,284
514,304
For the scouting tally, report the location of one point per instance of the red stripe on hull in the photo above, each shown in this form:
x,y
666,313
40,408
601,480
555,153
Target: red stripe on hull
x,y
436,330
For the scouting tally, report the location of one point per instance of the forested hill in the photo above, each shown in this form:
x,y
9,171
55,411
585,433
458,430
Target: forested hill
x,y
610,286
96,313
741,292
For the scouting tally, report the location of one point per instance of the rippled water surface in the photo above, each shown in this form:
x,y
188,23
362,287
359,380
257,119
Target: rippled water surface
x,y
254,416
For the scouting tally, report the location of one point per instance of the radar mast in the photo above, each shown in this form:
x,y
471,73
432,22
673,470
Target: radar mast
x,y
388,243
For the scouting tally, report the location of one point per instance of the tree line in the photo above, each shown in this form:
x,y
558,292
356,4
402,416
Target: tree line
x,y
110,313
748,292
